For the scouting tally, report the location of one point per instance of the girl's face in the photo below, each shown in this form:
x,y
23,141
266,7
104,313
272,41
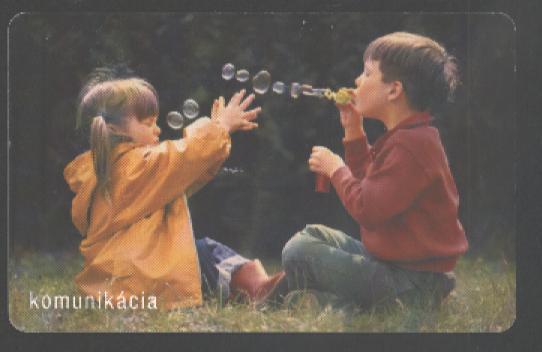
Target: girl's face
x,y
145,131
371,93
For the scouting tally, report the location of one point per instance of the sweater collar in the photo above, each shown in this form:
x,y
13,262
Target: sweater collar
x,y
413,121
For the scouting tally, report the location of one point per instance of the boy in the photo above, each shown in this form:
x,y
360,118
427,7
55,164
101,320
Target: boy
x,y
400,190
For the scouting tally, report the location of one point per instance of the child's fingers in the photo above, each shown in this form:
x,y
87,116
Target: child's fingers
x,y
249,126
246,103
214,109
236,99
313,165
318,148
251,114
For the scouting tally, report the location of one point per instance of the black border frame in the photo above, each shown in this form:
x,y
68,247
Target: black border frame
x,y
524,335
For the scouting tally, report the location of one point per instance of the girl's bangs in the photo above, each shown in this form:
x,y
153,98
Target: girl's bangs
x,y
142,99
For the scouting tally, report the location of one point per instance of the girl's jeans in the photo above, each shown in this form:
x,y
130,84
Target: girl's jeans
x,y
217,264
340,271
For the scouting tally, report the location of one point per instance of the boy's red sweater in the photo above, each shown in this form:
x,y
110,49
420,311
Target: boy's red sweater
x,y
402,194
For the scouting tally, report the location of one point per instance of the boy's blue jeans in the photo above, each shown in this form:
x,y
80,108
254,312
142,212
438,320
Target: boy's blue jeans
x,y
339,269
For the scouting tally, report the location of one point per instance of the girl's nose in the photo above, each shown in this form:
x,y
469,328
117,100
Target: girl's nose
x,y
157,131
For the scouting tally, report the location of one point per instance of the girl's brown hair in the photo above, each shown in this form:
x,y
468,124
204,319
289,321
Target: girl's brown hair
x,y
106,105
428,73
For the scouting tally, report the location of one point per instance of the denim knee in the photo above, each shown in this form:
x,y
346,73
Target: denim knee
x,y
296,249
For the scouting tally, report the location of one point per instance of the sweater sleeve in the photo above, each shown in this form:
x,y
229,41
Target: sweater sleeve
x,y
154,177
357,156
390,188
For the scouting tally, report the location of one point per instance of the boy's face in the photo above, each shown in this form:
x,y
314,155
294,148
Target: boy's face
x,y
371,93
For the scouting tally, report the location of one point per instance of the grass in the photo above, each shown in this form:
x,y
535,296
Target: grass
x,y
483,301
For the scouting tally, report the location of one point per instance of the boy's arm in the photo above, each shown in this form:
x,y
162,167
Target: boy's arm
x,y
356,148
389,189
357,155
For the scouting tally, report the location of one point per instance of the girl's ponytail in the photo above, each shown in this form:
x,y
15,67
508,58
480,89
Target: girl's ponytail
x,y
100,146
105,106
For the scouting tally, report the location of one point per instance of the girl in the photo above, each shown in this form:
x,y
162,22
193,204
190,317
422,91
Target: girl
x,y
130,201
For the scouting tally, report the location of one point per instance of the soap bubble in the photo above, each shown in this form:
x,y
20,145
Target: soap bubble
x,y
295,90
278,87
242,75
175,120
261,82
190,108
228,71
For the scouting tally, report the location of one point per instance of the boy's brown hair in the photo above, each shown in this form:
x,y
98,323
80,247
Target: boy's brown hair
x,y
428,73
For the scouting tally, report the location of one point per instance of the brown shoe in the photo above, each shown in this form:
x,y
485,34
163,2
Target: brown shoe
x,y
252,281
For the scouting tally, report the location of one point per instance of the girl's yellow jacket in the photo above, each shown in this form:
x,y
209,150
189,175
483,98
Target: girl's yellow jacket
x,y
141,242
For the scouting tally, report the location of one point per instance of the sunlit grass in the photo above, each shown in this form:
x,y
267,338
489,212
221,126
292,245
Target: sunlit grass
x,y
484,301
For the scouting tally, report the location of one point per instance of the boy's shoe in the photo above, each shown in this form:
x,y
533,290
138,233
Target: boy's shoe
x,y
277,296
444,285
301,300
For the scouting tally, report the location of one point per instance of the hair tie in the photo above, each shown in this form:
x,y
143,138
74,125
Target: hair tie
x,y
106,117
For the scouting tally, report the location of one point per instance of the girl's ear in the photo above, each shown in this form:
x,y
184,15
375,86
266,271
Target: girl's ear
x,y
395,90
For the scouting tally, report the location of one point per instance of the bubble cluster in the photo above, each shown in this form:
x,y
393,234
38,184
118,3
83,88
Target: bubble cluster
x,y
261,83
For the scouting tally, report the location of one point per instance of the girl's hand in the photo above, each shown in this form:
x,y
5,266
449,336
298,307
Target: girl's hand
x,y
233,116
324,161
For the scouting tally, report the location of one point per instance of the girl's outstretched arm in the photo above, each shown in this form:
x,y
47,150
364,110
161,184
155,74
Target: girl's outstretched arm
x,y
149,178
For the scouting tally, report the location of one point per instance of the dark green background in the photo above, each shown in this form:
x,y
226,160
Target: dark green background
x,y
257,210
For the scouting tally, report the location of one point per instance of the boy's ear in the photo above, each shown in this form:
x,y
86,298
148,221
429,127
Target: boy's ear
x,y
395,90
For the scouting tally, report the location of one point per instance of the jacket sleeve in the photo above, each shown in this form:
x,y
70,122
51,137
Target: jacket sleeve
x,y
150,178
207,176
391,187
357,156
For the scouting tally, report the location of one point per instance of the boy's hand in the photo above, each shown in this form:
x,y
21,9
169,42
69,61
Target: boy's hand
x,y
350,117
324,161
233,116
352,122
